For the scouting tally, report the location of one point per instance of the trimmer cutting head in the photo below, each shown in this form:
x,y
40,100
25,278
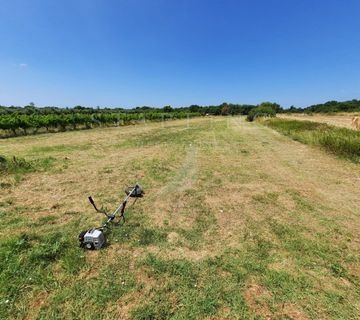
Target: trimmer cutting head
x,y
135,191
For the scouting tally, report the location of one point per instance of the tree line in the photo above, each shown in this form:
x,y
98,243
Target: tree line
x,y
328,107
222,109
16,120
31,119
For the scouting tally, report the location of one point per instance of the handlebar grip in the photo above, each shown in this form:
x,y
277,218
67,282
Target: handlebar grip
x,y
91,201
123,207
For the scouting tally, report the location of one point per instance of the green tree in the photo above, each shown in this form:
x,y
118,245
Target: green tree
x,y
276,107
168,109
261,111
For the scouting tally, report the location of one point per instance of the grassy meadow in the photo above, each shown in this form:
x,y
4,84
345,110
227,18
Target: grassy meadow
x,y
238,222
343,142
338,119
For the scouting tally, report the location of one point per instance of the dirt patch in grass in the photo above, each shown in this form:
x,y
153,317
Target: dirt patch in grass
x,y
258,298
173,237
36,303
291,311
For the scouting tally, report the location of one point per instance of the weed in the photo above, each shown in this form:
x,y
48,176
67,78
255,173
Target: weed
x,y
338,270
19,166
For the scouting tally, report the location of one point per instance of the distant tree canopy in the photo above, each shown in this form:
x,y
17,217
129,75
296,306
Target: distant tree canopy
x,y
168,109
330,106
31,119
21,120
266,109
274,106
222,109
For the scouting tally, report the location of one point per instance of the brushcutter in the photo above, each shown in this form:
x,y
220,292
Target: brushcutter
x,y
95,238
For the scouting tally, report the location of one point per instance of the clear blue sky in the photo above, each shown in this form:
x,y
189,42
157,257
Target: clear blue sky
x,y
178,52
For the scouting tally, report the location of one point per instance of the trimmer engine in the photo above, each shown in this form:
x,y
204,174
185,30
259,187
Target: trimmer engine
x,y
92,239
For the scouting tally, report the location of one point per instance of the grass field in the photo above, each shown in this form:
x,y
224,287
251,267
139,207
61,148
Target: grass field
x,y
337,119
238,222
343,142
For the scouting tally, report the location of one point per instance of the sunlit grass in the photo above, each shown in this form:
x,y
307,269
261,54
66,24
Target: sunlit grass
x,y
340,141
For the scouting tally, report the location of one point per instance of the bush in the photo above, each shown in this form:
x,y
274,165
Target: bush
x,y
263,110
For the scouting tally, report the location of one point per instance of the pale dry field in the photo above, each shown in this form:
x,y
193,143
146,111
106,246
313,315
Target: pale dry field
x,y
238,222
338,119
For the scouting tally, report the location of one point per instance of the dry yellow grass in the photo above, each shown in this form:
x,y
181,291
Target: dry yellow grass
x,y
339,119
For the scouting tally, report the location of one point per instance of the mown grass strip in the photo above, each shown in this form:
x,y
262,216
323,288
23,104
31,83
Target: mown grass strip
x,y
340,141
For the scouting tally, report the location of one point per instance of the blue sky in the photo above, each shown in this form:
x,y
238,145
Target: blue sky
x,y
158,52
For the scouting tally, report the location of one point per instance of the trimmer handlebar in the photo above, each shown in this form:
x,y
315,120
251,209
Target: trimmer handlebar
x,y
93,203
95,238
98,210
134,192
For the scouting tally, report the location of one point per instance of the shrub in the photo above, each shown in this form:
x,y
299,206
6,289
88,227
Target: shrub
x,y
264,110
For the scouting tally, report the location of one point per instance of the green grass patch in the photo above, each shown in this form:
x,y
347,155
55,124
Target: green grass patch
x,y
316,251
28,260
87,298
20,166
301,202
169,135
340,141
136,231
138,235
285,286
190,290
44,220
59,148
156,169
267,198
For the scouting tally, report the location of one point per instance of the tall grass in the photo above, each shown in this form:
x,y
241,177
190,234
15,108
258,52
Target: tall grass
x,y
17,165
340,141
